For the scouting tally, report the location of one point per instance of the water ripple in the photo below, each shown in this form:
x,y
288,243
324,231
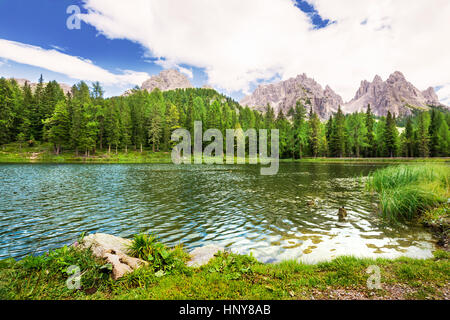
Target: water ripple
x,y
289,216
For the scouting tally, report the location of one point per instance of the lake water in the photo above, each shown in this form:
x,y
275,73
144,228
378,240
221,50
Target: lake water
x,y
292,215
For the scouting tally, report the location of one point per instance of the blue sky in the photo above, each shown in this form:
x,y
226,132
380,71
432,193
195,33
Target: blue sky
x,y
43,23
232,45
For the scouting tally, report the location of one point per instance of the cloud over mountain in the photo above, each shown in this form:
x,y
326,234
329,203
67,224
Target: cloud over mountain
x,y
238,43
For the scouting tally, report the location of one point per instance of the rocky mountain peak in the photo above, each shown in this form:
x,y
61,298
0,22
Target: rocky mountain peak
x,y
431,96
285,94
396,95
167,80
376,79
396,76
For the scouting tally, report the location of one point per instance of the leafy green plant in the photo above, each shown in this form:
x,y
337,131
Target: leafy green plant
x,y
161,258
231,265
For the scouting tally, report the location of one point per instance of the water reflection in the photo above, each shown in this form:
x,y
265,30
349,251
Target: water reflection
x,y
292,215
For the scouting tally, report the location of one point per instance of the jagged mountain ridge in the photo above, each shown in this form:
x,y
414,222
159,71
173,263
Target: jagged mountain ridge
x,y
285,94
396,95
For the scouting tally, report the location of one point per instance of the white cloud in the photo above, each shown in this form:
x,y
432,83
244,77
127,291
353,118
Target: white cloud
x,y
444,94
73,67
166,64
58,48
238,42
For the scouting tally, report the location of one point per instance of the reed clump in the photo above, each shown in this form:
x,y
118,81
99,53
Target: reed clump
x,y
407,191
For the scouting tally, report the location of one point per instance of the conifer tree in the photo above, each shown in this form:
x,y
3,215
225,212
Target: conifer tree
x,y
338,135
57,127
423,138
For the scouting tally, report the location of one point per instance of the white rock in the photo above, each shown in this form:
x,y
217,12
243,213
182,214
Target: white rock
x,y
203,255
114,250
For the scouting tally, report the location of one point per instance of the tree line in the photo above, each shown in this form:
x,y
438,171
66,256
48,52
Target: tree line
x,y
83,121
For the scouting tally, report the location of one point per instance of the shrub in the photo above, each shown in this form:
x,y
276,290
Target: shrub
x,y
162,259
231,265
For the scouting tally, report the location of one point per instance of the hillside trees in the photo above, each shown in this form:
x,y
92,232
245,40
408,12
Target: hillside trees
x,y
84,121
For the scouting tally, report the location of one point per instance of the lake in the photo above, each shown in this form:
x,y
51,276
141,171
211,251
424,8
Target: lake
x,y
292,215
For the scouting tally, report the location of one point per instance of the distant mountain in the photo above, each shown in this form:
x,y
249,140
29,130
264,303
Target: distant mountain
x,y
396,95
21,82
285,94
167,80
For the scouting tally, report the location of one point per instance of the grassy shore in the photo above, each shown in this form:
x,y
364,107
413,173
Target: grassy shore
x,y
415,192
370,160
227,276
43,153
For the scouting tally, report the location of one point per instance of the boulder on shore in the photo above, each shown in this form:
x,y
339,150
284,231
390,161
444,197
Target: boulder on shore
x,y
203,255
114,251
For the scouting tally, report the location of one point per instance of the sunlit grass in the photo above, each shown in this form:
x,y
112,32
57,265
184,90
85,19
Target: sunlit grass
x,y
407,191
227,276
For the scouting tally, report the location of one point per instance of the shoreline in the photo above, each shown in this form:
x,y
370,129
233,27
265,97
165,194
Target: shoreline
x,y
226,276
168,160
42,153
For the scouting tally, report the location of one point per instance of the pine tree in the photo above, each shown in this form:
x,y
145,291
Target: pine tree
x,y
300,129
409,138
155,130
314,136
438,135
214,117
283,125
26,125
391,135
370,136
338,135
444,140
423,138
6,111
112,126
57,127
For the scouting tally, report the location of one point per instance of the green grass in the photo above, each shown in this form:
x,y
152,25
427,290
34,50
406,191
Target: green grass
x,y
227,276
369,160
408,191
43,153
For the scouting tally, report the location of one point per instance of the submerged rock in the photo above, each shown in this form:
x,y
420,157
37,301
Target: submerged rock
x,y
203,255
114,251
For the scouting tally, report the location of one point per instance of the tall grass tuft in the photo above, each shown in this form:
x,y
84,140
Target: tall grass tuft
x,y
406,191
